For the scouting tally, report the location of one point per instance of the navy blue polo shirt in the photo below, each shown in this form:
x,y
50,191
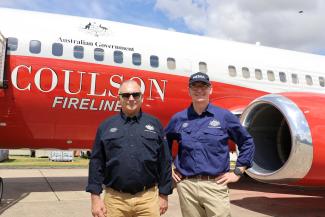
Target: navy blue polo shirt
x,y
203,141
129,154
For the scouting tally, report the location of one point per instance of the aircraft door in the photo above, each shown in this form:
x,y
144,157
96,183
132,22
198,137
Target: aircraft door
x,y
2,61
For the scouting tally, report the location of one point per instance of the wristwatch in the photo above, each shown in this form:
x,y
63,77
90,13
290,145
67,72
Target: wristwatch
x,y
238,172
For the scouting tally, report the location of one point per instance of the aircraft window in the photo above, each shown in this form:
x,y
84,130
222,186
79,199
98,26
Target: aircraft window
x,y
203,67
321,81
12,44
118,56
258,74
270,75
283,77
35,46
309,80
295,79
99,54
171,63
136,59
154,61
57,49
245,72
232,71
78,52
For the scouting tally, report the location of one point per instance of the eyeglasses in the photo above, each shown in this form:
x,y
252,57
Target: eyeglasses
x,y
135,95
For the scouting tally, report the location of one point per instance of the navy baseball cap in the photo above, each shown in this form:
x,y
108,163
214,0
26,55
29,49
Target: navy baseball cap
x,y
199,77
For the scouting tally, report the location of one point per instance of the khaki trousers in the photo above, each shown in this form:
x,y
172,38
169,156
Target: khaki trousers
x,y
142,204
203,198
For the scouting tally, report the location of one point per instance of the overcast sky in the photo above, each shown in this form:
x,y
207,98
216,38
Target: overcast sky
x,y
289,24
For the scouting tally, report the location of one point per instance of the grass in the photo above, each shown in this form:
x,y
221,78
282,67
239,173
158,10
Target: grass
x,y
35,162
16,161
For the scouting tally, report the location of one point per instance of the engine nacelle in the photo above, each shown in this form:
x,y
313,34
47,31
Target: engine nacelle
x,y
289,135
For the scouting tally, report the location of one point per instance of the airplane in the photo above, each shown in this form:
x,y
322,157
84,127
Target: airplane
x,y
59,78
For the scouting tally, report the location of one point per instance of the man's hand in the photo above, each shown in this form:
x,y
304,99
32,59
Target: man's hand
x,y
227,178
176,176
98,208
163,203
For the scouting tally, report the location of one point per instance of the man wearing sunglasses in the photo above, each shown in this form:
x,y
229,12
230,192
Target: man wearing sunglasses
x,y
131,159
202,165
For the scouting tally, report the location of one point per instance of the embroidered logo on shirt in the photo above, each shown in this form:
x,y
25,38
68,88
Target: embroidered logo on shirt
x,y
214,124
113,130
150,128
184,125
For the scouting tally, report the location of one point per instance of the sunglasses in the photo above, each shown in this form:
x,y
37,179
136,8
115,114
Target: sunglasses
x,y
135,95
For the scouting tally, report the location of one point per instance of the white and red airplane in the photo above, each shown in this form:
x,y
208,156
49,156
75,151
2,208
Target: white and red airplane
x,y
59,77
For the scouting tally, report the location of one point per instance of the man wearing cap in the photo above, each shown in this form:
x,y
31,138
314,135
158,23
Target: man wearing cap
x,y
130,157
201,168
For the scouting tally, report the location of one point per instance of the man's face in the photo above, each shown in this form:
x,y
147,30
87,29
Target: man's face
x,y
200,92
130,98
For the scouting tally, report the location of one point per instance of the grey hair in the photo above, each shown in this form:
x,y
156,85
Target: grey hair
x,y
126,82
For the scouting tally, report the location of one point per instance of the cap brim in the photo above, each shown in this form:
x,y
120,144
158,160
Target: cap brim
x,y
200,80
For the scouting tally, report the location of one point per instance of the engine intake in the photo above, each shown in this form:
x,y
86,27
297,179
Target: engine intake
x,y
283,141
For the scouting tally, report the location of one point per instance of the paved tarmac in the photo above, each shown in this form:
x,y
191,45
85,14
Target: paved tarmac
x,y
60,193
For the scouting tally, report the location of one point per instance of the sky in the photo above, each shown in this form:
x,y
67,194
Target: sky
x,y
288,24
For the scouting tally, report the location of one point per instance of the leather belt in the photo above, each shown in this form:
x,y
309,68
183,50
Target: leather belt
x,y
145,188
200,177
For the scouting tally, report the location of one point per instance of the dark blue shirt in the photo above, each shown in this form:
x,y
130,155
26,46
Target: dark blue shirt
x,y
130,154
203,141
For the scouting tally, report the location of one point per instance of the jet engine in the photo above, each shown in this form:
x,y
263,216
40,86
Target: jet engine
x,y
289,135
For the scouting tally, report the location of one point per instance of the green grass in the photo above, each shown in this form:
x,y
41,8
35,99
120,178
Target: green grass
x,y
35,162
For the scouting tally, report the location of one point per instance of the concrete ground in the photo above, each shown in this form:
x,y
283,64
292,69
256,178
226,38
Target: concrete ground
x,y
60,193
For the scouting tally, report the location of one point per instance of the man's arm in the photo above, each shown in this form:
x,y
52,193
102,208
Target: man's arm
x,y
96,177
245,145
171,134
173,137
164,167
243,140
165,172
